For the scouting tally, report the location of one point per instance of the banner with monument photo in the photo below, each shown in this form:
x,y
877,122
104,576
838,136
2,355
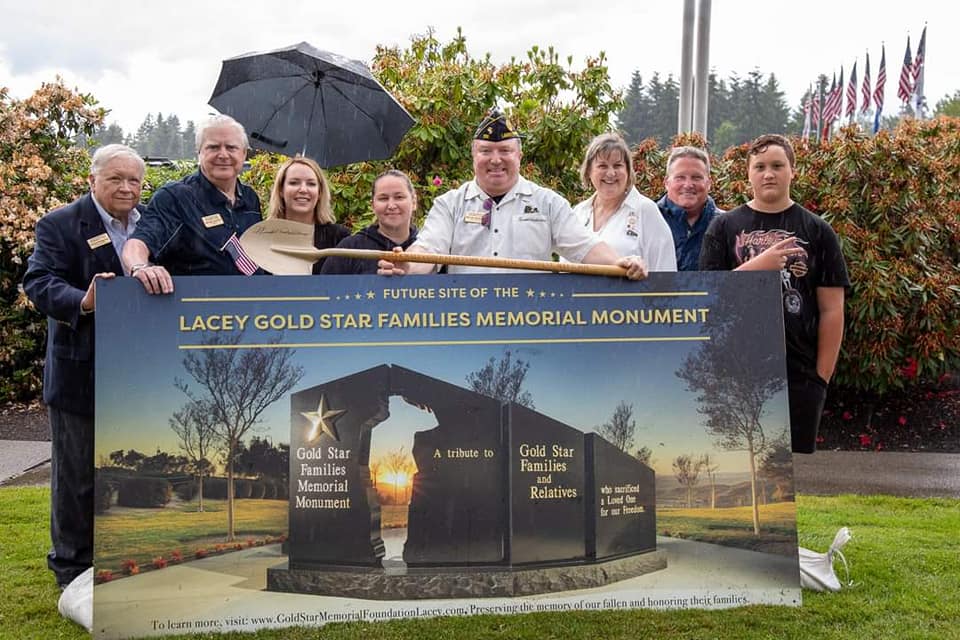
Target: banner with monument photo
x,y
277,451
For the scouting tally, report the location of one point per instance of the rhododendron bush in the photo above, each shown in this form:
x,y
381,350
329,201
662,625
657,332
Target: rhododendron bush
x,y
40,169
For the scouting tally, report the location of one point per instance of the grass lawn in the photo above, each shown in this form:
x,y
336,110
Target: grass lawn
x,y
905,559
141,535
733,526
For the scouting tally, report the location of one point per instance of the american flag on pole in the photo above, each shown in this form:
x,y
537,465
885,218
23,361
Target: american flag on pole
x,y
905,89
919,59
866,86
878,89
852,93
834,106
245,265
815,112
827,114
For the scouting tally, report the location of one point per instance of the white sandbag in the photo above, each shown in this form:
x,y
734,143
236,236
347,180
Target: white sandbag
x,y
76,601
816,569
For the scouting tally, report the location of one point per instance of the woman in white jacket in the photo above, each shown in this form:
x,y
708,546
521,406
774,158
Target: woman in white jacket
x,y
626,220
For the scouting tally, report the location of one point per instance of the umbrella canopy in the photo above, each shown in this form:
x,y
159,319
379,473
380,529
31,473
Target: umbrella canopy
x,y
300,99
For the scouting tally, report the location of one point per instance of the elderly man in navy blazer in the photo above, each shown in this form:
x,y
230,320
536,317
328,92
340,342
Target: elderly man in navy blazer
x,y
77,245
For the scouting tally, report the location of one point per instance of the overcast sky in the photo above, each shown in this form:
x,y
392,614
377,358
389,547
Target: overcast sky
x,y
165,56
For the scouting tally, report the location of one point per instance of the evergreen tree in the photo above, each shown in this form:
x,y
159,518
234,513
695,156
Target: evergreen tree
x,y
665,108
188,137
636,110
949,105
142,137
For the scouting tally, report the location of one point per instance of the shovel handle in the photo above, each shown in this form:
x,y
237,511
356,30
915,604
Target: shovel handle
x,y
466,261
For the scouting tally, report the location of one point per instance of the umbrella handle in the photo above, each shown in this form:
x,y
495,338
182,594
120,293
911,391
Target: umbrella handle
x,y
467,261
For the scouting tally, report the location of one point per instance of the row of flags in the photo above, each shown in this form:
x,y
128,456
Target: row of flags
x,y
821,110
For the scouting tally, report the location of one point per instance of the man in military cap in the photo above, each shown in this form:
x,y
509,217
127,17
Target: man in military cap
x,y
501,214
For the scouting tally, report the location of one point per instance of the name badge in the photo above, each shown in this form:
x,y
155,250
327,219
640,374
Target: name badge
x,y
98,241
473,217
212,220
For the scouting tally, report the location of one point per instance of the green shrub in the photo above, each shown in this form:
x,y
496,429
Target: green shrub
x,y
144,492
894,200
258,489
40,170
242,489
215,488
104,491
269,488
186,490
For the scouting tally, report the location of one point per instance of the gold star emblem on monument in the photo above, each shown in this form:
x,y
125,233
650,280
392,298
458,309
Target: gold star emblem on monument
x,y
319,421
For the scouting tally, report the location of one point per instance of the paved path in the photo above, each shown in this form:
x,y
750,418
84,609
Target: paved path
x,y
227,593
19,456
893,473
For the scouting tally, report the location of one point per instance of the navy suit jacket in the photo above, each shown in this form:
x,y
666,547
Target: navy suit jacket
x,y
58,274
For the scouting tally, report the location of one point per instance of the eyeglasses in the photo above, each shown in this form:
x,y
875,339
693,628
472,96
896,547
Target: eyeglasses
x,y
487,209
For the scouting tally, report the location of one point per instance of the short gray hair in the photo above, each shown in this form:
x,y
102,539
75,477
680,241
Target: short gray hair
x,y
688,152
603,145
220,120
109,152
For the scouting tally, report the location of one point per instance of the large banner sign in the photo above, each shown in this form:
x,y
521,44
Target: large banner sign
x,y
276,451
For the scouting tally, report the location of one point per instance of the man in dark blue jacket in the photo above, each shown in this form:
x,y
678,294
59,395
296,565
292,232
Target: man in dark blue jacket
x,y
192,227
76,245
687,207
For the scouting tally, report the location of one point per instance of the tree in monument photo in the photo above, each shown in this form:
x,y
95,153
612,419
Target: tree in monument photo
x,y
686,469
621,426
734,380
198,438
237,385
502,379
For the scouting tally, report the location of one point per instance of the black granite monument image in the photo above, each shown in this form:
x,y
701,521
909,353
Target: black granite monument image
x,y
505,501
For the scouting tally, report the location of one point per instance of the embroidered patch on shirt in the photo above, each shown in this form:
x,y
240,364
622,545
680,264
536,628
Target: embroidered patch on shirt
x,y
530,209
212,220
98,241
473,217
632,225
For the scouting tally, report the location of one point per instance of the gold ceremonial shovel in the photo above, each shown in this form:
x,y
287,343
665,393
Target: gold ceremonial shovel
x,y
287,249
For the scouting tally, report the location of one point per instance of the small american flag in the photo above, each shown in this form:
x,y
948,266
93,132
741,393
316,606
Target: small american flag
x,y
906,76
815,114
245,265
918,98
866,86
827,113
852,93
881,81
837,105
878,89
919,59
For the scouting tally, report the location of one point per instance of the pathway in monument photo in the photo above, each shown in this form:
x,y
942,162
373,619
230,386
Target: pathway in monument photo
x,y
228,592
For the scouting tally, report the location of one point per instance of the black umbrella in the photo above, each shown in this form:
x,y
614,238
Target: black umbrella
x,y
303,100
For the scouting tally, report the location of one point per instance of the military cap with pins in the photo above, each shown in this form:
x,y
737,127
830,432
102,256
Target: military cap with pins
x,y
495,127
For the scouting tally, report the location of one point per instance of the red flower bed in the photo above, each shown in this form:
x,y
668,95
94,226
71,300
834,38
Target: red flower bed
x,y
923,418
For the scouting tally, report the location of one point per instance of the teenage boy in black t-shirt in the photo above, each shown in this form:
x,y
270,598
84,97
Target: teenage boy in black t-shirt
x,y
772,232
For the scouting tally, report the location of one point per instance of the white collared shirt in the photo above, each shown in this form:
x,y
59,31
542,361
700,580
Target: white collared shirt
x,y
636,229
529,223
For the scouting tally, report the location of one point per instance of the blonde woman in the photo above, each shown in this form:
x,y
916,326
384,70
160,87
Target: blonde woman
x,y
301,193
